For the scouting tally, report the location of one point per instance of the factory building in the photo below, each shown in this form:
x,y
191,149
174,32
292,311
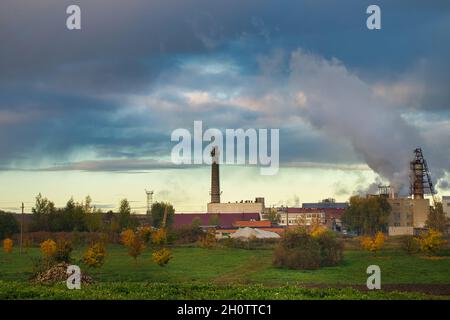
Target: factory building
x,y
301,217
243,206
446,205
409,214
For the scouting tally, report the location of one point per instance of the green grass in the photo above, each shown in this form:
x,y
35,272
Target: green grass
x,y
153,291
215,270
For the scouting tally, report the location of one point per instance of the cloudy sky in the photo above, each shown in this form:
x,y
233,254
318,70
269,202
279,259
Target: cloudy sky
x,y
92,111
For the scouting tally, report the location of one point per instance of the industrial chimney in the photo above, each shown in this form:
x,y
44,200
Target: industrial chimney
x,y
215,182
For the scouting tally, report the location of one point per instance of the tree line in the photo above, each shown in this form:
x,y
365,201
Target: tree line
x,y
84,217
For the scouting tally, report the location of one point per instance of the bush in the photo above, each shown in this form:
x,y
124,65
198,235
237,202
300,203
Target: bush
x,y
127,237
159,237
431,242
48,249
95,255
297,250
373,244
410,244
146,234
187,234
135,247
302,250
8,245
208,240
162,257
63,251
331,249
250,244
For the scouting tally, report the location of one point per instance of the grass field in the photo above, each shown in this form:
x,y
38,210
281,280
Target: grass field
x,y
231,273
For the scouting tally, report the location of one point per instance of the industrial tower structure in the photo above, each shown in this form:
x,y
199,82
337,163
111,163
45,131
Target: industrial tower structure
x,y
215,181
149,200
420,178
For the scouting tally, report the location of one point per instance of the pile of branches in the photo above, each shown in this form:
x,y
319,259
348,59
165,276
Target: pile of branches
x,y
58,273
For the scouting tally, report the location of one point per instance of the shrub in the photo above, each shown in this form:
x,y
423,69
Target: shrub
x,y
127,237
331,249
410,244
162,257
48,249
373,244
8,245
135,247
95,255
146,234
188,234
159,237
318,231
431,242
63,251
208,240
297,250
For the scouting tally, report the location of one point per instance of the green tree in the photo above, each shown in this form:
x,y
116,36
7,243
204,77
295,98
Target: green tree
x,y
157,211
436,219
8,225
273,216
367,215
125,220
43,211
214,220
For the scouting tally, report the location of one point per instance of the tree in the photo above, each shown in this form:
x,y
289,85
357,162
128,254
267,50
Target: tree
x,y
431,242
157,211
8,245
124,216
436,219
8,225
95,255
214,220
273,216
136,247
367,215
134,242
42,212
162,256
373,244
48,249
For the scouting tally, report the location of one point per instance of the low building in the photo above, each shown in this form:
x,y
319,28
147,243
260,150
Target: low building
x,y
446,205
221,220
243,206
407,215
301,216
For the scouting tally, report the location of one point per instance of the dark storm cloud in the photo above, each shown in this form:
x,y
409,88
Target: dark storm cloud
x,y
119,85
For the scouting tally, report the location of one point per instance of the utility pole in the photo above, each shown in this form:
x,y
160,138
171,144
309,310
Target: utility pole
x,y
21,229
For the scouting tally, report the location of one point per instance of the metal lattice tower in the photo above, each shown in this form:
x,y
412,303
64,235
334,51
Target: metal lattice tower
x,y
149,200
420,177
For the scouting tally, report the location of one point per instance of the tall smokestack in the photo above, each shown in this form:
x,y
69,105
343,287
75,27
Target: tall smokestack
x,y
215,182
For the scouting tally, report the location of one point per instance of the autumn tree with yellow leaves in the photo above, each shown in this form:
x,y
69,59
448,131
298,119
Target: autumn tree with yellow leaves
x,y
8,245
373,244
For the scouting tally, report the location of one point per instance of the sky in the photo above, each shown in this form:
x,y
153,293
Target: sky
x,y
91,111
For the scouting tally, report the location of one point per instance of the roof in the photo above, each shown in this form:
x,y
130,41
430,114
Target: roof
x,y
304,210
445,197
326,205
262,223
226,220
